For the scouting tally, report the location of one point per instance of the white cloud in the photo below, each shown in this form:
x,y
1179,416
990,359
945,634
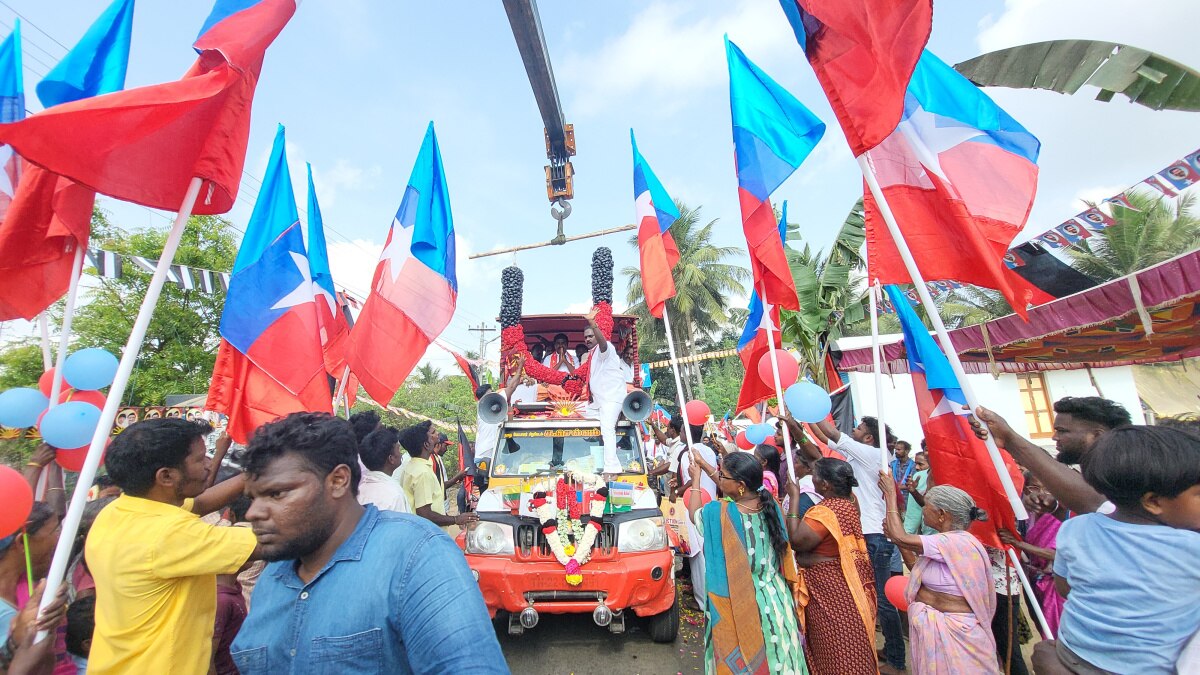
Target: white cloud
x,y
1163,26
353,264
669,51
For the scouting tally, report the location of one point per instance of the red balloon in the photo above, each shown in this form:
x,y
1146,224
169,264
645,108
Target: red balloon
x,y
894,590
771,441
742,442
17,497
94,397
72,459
697,412
46,381
789,370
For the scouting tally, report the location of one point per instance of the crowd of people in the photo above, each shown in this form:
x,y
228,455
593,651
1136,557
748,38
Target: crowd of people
x,y
1102,549
331,549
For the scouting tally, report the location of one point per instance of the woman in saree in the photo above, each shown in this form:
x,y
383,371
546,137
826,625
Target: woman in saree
x,y
1047,515
749,573
837,583
950,593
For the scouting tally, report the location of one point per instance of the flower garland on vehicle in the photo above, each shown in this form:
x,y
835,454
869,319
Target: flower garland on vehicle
x,y
571,533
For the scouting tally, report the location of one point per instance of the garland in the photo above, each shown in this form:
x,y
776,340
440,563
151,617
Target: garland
x,y
570,533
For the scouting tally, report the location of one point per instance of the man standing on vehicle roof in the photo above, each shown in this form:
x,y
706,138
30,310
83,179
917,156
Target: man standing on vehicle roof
x,y
606,386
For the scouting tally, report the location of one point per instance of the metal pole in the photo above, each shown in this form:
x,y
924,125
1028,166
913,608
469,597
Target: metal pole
x,y
787,434
1030,597
576,237
87,474
877,358
918,280
44,329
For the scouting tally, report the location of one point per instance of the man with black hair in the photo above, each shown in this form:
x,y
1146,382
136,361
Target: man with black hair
x,y
154,561
561,358
81,623
422,487
380,453
364,423
861,450
350,588
1078,423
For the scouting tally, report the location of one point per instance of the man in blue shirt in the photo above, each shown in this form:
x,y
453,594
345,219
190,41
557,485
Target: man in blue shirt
x,y
352,589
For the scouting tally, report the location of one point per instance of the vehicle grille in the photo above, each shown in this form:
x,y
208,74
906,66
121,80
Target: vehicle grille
x,y
531,538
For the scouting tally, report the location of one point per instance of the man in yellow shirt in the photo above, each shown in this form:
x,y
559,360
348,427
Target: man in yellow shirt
x,y
422,487
154,561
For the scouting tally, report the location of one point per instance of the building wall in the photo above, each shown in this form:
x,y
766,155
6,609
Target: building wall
x,y
1001,395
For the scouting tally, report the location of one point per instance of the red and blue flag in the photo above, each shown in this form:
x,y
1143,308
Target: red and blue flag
x,y
863,53
333,327
269,362
48,217
655,214
12,109
761,329
773,134
958,457
960,175
414,291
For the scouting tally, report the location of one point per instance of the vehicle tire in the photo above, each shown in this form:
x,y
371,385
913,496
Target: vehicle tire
x,y
665,627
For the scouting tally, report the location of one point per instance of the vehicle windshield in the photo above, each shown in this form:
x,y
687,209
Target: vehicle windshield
x,y
526,452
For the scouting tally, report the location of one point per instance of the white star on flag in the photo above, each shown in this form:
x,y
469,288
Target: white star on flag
x,y
930,134
302,293
946,406
398,249
766,323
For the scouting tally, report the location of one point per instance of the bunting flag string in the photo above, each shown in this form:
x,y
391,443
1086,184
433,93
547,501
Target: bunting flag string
x,y
936,289
1180,175
113,265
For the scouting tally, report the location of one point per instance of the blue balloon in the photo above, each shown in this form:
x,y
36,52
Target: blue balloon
x,y
21,407
89,369
807,402
70,425
757,433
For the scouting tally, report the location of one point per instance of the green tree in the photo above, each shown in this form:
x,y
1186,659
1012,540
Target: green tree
x,y
704,283
178,353
1160,229
832,292
427,374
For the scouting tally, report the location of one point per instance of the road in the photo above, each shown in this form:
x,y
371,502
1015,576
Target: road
x,y
572,644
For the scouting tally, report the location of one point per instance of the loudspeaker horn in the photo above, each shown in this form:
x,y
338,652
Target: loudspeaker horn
x,y
637,406
493,408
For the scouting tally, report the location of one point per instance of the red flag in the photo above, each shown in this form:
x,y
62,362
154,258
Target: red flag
x,y
863,52
238,385
47,220
959,458
762,322
145,145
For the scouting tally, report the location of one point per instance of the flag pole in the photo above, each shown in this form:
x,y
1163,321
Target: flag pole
x,y
64,333
687,426
918,280
1034,605
876,358
787,434
340,397
44,329
87,473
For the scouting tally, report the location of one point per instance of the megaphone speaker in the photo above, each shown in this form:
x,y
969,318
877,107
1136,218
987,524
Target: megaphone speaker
x,y
637,406
493,408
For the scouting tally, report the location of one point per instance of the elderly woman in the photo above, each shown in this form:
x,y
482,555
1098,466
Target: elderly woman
x,y
950,594
837,589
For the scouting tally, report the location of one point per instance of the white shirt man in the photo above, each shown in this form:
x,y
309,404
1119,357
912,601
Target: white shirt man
x,y
526,392
865,460
380,489
606,383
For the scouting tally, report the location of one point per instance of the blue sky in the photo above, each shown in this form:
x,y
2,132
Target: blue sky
x,y
356,81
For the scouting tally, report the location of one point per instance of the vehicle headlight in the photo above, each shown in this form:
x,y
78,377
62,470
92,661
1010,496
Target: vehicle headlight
x,y
488,538
643,534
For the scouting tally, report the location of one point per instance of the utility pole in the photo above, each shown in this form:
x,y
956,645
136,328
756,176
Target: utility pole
x,y
483,329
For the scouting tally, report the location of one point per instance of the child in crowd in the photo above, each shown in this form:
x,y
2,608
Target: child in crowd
x,y
81,622
1130,577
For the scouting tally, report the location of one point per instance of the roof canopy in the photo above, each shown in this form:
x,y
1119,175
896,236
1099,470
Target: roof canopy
x,y
1100,327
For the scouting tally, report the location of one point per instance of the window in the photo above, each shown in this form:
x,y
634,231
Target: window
x,y
1039,417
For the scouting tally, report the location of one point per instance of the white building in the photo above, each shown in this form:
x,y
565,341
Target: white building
x,y
1025,400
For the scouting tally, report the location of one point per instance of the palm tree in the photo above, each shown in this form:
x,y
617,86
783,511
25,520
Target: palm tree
x,y
704,283
831,289
428,374
1158,230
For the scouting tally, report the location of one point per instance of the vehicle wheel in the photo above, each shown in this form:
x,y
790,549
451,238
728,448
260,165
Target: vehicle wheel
x,y
665,627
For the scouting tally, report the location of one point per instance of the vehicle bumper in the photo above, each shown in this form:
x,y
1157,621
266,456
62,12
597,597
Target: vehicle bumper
x,y
625,581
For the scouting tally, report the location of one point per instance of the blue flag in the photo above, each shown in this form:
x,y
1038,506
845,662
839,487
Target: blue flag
x,y
97,64
12,81
924,354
